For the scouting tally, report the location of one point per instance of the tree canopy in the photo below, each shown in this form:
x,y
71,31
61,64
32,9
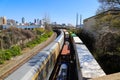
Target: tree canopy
x,y
107,5
110,1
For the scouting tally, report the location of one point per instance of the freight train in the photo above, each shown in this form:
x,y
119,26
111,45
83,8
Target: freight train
x,y
64,58
41,65
87,66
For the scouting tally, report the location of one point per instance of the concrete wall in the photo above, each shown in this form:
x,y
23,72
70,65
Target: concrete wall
x,y
89,23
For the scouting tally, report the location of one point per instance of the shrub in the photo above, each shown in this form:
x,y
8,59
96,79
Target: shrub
x,y
7,54
39,39
16,50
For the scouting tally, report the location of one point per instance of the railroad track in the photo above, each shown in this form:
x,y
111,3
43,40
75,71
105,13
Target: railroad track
x,y
35,50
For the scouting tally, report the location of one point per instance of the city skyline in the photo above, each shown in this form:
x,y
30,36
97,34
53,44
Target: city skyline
x,y
58,11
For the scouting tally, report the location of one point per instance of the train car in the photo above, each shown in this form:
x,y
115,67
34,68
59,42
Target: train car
x,y
65,53
87,66
62,75
77,40
41,65
30,69
73,35
46,70
65,50
67,43
54,47
66,35
60,39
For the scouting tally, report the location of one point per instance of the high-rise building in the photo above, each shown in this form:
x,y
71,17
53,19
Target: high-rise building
x,y
80,20
35,21
76,19
38,21
23,20
3,20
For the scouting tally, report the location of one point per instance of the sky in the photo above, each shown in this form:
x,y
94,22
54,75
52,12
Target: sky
x,y
60,11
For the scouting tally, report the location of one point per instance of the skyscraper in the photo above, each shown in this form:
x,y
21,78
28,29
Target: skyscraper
x,y
23,20
35,21
38,21
76,19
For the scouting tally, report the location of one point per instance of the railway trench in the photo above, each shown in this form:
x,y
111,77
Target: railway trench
x,y
70,61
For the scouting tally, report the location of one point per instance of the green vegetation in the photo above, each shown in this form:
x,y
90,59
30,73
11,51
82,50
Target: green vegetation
x,y
15,36
9,53
11,36
109,21
39,39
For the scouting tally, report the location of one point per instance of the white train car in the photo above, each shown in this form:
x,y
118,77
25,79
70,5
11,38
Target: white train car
x,y
30,70
41,65
87,66
77,40
60,39
66,35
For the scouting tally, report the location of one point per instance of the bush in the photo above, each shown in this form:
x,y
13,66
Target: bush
x,y
1,61
7,54
16,50
39,39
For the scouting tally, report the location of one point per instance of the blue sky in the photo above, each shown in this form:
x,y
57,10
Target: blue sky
x,y
61,11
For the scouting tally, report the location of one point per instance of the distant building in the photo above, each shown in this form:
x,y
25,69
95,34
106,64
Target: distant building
x,y
26,27
64,25
31,27
38,22
90,22
4,24
11,22
3,21
35,21
76,19
23,20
